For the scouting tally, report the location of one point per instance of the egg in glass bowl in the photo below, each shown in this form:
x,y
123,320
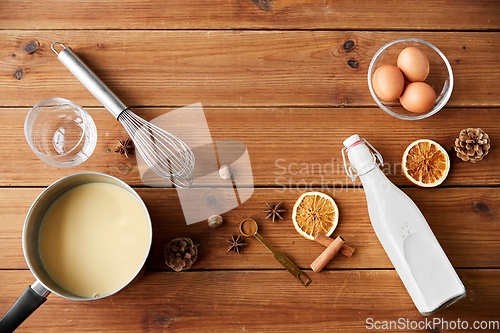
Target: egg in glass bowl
x,y
439,77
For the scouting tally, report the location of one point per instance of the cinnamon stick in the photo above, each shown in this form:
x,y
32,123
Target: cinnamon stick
x,y
320,262
326,241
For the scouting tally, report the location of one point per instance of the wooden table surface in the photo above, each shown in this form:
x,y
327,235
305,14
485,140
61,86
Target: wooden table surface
x,y
287,79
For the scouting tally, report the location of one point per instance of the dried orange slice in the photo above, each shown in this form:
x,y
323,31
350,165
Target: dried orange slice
x,y
426,163
315,212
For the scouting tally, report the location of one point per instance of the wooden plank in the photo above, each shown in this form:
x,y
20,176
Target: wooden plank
x,y
463,219
287,147
232,68
237,14
255,301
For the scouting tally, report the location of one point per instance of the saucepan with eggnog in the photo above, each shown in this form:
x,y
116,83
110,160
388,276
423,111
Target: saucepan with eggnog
x,y
85,237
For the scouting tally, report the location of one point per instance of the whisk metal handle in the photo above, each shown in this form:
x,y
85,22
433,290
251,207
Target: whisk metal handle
x,y
90,80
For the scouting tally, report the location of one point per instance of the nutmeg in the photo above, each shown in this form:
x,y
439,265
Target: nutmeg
x,y
225,172
215,221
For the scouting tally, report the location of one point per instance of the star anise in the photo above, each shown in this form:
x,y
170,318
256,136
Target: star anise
x,y
274,211
235,244
124,147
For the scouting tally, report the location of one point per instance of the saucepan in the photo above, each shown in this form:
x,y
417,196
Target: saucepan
x,y
44,240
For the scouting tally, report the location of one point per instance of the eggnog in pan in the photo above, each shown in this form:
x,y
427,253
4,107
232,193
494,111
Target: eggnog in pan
x,y
94,238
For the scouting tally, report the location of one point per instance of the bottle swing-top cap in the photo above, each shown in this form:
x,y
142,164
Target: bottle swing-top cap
x,y
350,143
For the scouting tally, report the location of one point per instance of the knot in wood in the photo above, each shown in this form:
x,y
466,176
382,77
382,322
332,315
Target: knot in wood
x,y
19,74
349,45
481,207
31,47
165,320
212,201
265,5
123,168
353,63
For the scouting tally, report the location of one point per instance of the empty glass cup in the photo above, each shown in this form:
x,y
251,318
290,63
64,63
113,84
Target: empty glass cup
x,y
60,132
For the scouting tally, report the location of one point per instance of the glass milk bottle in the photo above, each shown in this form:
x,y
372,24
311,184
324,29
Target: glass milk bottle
x,y
421,263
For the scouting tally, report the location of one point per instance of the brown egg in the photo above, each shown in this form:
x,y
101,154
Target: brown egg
x,y
413,64
418,97
388,82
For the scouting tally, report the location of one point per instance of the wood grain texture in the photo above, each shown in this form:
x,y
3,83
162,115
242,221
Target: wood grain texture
x,y
288,80
251,14
465,221
287,147
232,68
252,301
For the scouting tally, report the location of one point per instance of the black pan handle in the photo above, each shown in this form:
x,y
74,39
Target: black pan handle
x,y
25,305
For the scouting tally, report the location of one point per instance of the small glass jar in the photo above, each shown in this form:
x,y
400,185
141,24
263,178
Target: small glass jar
x,y
60,132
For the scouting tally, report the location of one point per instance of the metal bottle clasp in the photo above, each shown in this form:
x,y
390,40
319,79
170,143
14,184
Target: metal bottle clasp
x,y
57,43
351,171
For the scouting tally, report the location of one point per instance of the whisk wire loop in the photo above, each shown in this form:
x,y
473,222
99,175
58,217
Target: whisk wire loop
x,y
165,154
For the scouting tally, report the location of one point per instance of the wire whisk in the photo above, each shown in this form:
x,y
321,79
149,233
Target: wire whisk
x,y
165,154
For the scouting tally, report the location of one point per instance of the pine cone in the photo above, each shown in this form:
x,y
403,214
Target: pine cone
x,y
180,253
472,145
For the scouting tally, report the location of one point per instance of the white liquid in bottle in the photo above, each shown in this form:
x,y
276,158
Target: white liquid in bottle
x,y
421,263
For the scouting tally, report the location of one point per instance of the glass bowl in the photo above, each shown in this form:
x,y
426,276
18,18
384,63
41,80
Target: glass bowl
x,y
440,76
60,133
